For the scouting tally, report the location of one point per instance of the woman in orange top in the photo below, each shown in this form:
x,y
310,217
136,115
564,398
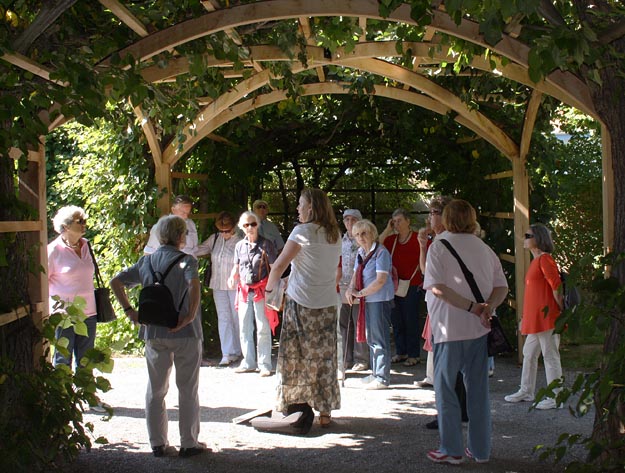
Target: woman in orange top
x,y
541,307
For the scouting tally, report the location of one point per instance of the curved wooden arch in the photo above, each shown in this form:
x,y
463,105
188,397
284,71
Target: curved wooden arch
x,y
319,88
220,20
200,127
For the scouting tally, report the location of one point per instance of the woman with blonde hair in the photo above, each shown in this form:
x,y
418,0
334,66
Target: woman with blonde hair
x,y
307,363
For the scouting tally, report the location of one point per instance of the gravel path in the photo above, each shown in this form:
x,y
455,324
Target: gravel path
x,y
374,431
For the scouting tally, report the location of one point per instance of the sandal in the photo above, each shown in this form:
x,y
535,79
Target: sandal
x,y
399,358
412,361
325,420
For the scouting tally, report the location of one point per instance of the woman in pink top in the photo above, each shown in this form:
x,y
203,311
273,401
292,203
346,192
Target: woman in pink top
x,y
541,307
70,274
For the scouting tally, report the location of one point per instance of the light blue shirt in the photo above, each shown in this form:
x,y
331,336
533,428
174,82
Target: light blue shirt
x,y
380,262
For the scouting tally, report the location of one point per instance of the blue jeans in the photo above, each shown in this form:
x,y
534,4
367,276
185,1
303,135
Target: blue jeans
x,y
248,313
407,326
470,357
378,323
78,344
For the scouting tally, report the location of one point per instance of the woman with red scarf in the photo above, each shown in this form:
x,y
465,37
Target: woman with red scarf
x,y
252,259
374,287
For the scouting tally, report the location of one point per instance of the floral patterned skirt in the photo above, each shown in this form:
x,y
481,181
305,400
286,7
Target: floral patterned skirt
x,y
307,364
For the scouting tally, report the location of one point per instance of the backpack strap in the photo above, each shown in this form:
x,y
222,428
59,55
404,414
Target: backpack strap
x,y
155,274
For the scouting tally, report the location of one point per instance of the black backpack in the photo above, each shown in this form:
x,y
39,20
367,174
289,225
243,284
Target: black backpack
x,y
156,304
570,294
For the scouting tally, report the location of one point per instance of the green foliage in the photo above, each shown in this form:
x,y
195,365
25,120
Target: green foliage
x,y
41,421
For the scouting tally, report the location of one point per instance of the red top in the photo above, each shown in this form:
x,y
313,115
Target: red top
x,y
406,257
540,309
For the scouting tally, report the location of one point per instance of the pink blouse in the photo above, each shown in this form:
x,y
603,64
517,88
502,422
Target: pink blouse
x,y
70,275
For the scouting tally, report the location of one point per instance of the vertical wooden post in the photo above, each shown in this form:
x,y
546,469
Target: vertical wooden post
x,y
163,181
608,190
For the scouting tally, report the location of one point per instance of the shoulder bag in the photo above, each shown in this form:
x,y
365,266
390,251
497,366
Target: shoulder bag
x,y
402,286
104,308
497,340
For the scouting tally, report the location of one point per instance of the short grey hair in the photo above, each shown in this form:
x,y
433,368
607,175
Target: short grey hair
x,y
65,217
169,230
542,237
403,212
244,216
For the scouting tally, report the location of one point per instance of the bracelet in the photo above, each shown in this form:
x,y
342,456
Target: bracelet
x,y
126,309
470,307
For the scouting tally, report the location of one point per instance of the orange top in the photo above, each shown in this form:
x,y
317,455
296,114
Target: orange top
x,y
540,309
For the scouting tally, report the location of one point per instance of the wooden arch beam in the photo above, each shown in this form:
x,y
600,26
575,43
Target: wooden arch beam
x,y
220,20
199,127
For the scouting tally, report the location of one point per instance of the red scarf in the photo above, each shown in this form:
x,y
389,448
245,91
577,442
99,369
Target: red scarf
x,y
259,294
359,284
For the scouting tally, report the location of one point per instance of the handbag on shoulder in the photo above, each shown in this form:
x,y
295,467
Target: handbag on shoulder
x,y
104,309
497,340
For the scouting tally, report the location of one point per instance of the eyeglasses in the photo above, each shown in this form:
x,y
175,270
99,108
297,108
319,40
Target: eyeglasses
x,y
435,212
261,206
225,231
529,235
81,221
251,224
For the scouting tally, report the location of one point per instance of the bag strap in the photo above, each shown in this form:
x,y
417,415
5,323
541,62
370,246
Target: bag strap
x,y
161,280
98,277
467,273
393,250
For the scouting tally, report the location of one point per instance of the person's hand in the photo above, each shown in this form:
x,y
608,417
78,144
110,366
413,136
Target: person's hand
x,y
182,323
230,282
133,315
422,236
389,225
349,296
484,312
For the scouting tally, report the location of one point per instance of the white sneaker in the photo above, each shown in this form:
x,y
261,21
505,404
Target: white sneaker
x,y
367,379
375,385
225,361
519,396
360,367
548,403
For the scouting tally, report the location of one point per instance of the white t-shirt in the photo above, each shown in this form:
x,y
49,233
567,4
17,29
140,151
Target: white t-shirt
x,y
312,282
190,246
450,323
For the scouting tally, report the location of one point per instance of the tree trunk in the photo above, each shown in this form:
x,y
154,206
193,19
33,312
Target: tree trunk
x,y
609,100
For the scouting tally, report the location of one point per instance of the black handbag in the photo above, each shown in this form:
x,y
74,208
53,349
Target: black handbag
x,y
104,308
208,267
497,340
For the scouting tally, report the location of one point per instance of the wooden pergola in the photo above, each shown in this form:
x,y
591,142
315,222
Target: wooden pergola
x,y
416,85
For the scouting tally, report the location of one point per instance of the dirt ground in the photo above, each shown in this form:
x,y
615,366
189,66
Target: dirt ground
x,y
374,431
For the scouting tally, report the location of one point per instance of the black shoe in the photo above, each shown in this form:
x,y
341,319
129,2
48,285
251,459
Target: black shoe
x,y
192,451
433,425
158,451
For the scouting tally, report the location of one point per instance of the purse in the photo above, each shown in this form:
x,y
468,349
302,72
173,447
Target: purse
x,y
104,308
497,340
401,289
208,268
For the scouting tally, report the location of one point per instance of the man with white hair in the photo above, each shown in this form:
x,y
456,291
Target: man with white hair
x,y
355,355
267,229
182,206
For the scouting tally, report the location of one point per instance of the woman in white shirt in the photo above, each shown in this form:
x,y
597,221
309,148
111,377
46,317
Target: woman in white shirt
x,y
307,364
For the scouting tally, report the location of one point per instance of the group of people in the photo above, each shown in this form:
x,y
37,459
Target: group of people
x,y
350,283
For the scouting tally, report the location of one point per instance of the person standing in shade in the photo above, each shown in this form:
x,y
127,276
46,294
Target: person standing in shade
x,y
403,245
374,287
267,229
542,305
220,246
182,206
354,354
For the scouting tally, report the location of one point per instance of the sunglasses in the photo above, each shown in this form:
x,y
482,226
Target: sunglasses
x,y
261,206
529,235
251,224
225,231
81,221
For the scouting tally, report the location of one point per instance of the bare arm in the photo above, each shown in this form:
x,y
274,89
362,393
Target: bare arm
x,y
194,304
290,250
422,237
120,294
375,286
386,232
234,275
